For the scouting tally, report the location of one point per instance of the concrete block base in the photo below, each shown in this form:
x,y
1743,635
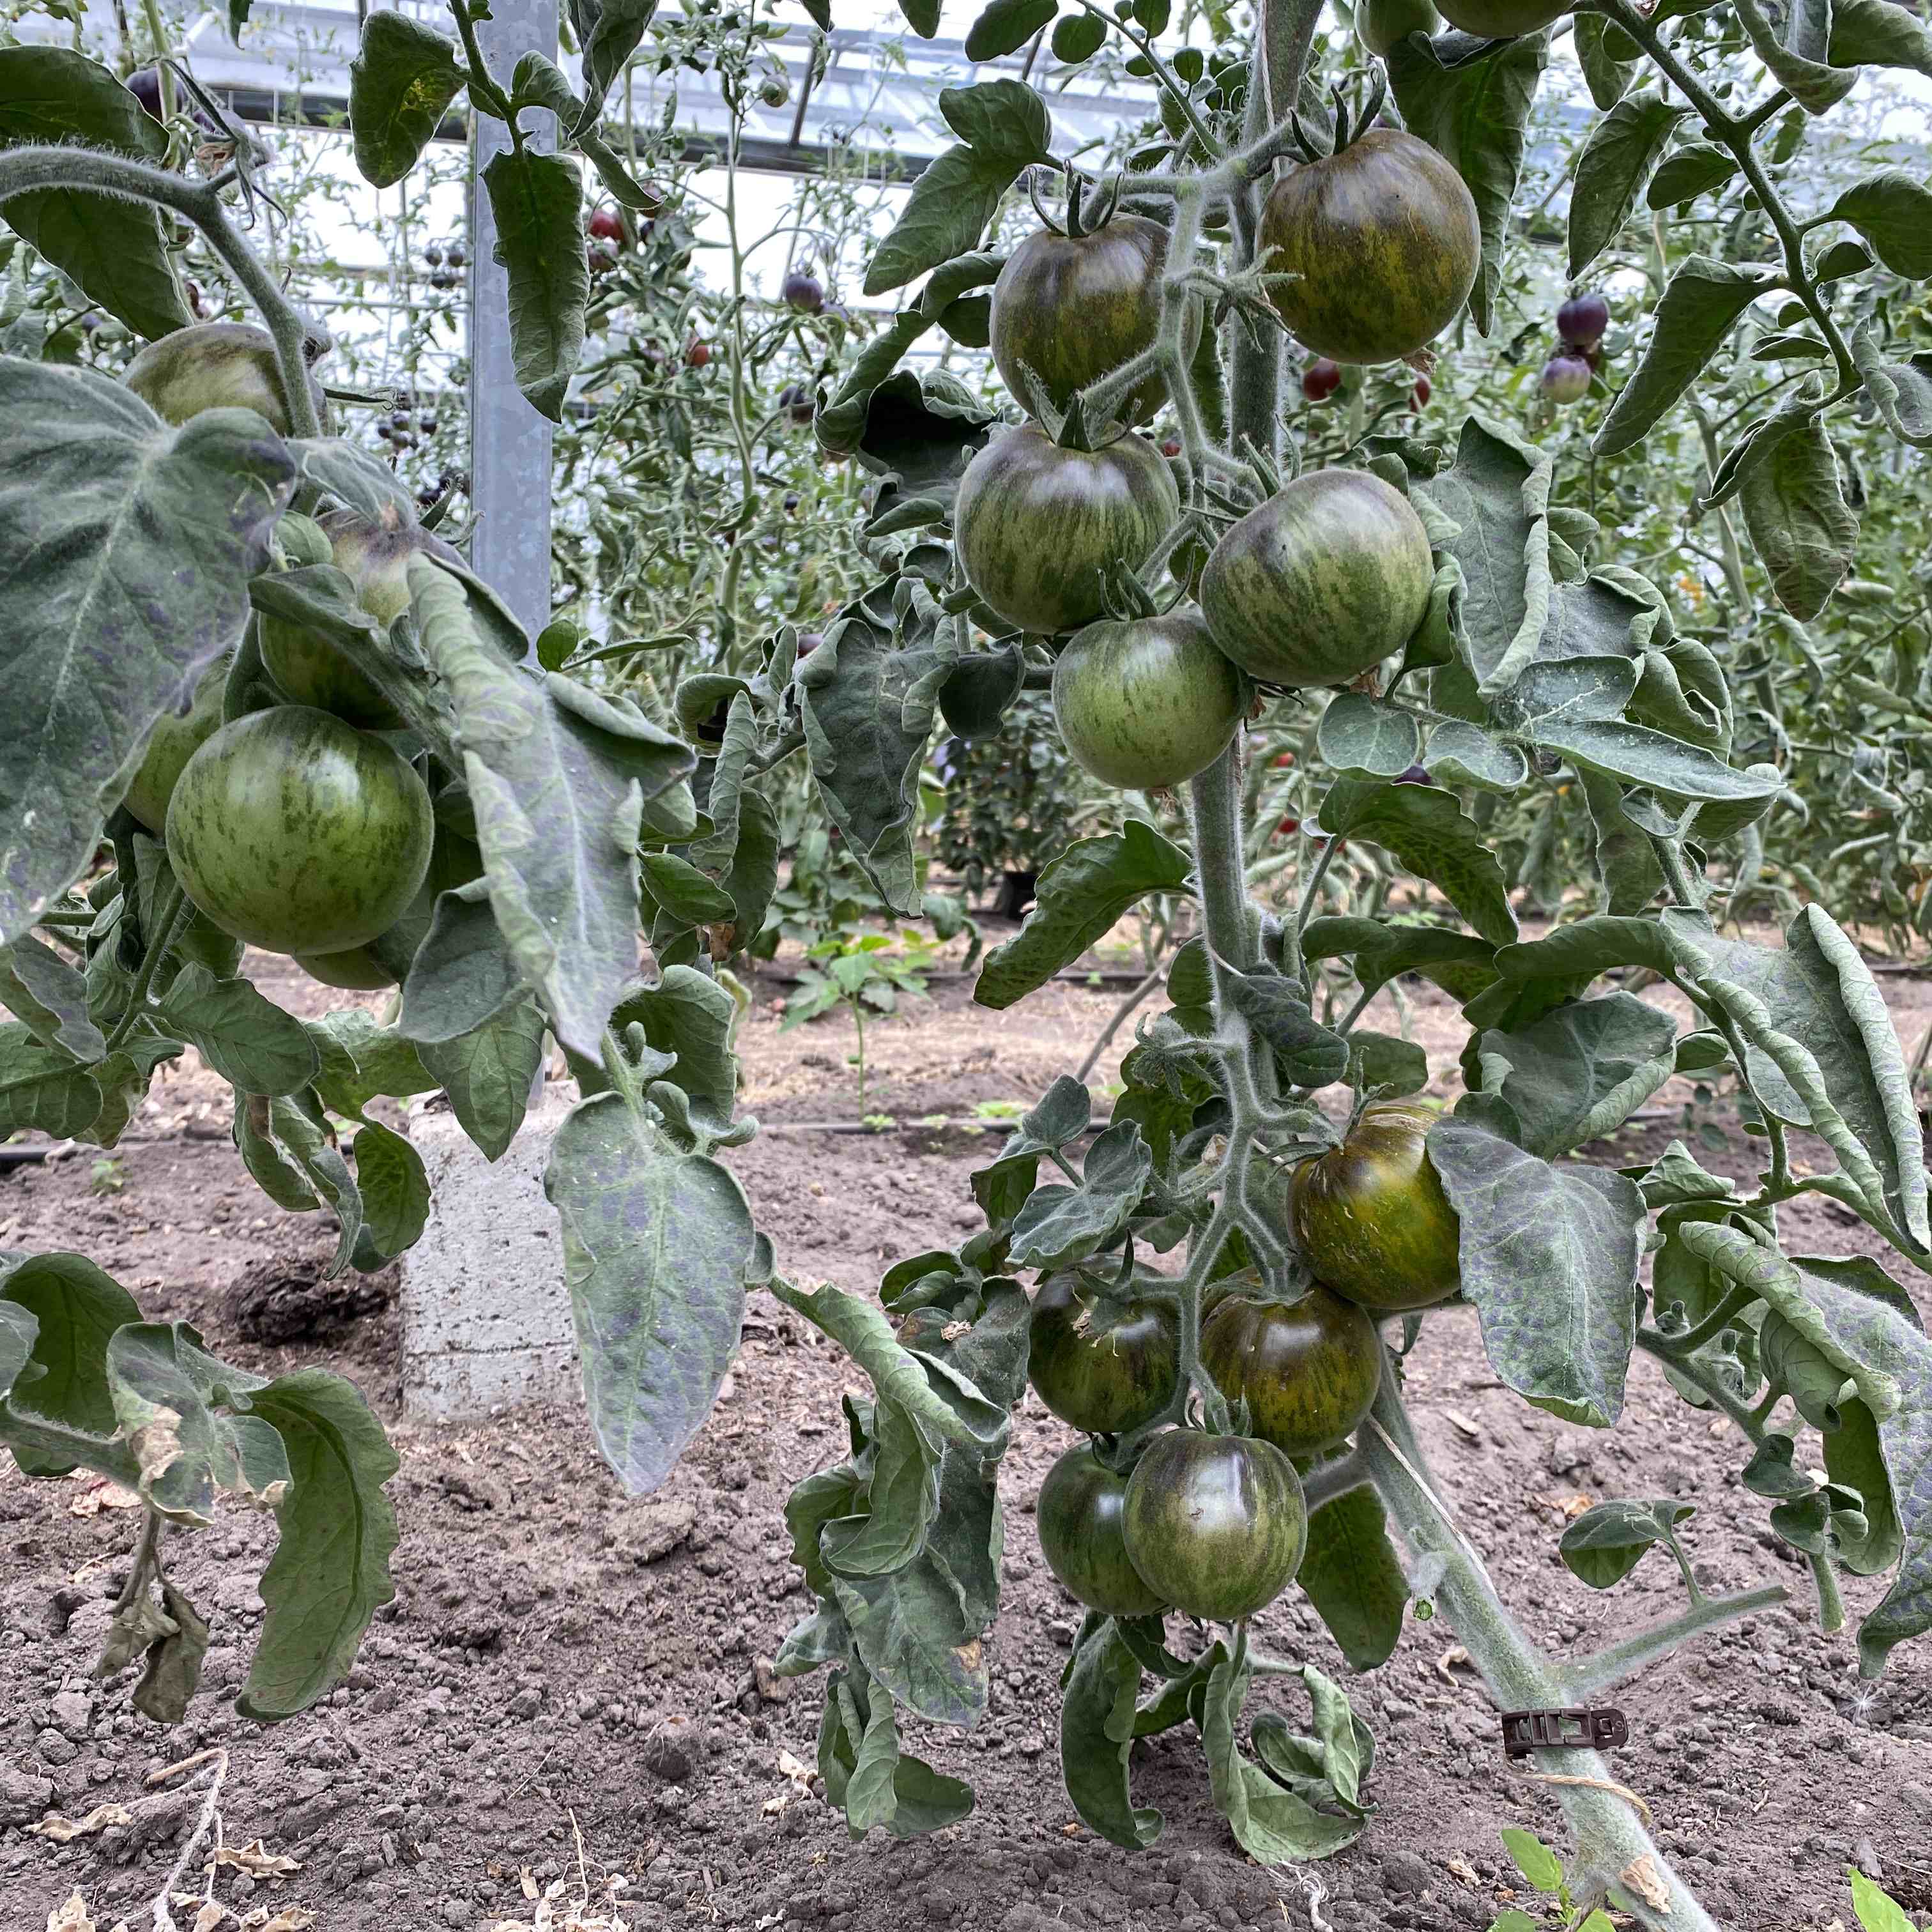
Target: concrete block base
x,y
486,1316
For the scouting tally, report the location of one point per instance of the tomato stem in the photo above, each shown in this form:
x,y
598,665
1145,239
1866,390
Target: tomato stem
x,y
1611,1838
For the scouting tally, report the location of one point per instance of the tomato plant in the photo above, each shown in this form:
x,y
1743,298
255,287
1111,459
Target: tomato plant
x,y
1467,651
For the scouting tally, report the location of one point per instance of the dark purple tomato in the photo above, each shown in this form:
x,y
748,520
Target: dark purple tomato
x,y
1081,1505
1582,320
1215,1525
1413,775
1308,1372
1105,1383
144,85
1372,1218
804,292
1384,239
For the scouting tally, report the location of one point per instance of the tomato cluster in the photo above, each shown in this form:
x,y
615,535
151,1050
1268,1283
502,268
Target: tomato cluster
x,y
1376,246
296,828
1214,1525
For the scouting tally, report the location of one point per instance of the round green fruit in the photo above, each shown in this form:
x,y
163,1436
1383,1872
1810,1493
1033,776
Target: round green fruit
x,y
1502,20
1216,1525
309,669
1069,308
1105,1383
374,554
1309,1371
1037,525
215,365
385,960
298,834
1383,238
1372,1218
171,744
1381,26
1082,1505
1328,576
1145,704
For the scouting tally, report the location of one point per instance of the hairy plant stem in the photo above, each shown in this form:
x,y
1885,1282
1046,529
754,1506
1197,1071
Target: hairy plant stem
x,y
172,911
1611,1839
1737,135
24,170
1751,1421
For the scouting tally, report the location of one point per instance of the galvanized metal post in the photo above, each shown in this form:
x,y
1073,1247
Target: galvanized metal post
x,y
509,442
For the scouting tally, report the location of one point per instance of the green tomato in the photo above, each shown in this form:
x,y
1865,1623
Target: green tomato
x,y
1384,240
1037,525
1308,1372
215,365
1082,1503
1146,704
1328,576
374,554
171,744
309,669
1215,1524
1381,26
297,833
1373,1222
1106,1383
1502,20
1070,308
385,960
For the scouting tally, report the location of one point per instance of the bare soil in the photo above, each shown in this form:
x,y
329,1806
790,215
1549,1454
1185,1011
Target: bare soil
x,y
568,1681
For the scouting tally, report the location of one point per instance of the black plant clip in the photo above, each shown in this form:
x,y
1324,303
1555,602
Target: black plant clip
x,y
1526,1731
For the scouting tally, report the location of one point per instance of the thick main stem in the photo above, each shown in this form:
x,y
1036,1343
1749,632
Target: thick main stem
x,y
1611,1840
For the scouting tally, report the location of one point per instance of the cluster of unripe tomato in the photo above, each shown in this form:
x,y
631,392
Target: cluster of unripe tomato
x,y
1328,576
297,827
1580,324
1214,1526
1377,246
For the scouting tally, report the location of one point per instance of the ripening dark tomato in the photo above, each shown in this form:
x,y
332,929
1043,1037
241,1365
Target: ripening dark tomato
x,y
1145,704
1171,448
144,85
1381,26
1412,774
1035,525
171,744
1104,1383
1081,1506
607,226
297,833
1384,238
1418,397
804,292
1069,308
1328,576
1566,378
599,261
1582,320
1373,1222
1502,20
696,354
216,365
1308,1372
795,399
1320,379
1216,1525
